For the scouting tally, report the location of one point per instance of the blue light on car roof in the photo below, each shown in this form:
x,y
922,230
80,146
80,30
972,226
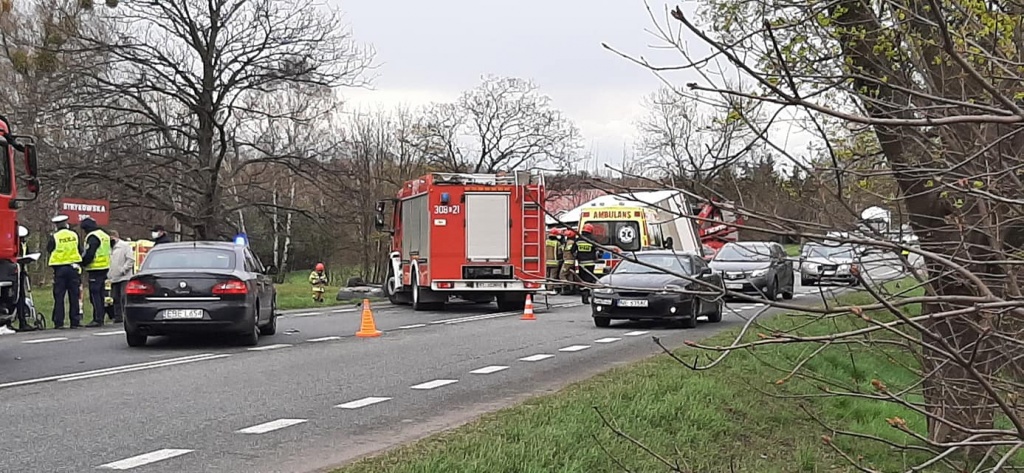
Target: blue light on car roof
x,y
241,239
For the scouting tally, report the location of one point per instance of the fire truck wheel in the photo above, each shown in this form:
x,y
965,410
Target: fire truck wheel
x,y
417,295
389,288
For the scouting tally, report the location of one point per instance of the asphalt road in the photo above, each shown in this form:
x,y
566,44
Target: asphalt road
x,y
309,397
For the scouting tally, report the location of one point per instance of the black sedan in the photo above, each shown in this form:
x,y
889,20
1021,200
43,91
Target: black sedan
x,y
758,267
653,287
200,287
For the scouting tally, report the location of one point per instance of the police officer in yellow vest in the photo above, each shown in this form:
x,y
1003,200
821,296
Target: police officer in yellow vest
x,y
96,260
64,259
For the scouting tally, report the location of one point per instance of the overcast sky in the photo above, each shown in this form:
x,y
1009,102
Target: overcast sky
x,y
433,50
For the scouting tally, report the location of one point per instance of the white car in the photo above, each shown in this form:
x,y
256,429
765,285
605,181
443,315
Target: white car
x,y
827,264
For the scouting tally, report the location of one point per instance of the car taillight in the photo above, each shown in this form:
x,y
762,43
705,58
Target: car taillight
x,y
230,287
138,288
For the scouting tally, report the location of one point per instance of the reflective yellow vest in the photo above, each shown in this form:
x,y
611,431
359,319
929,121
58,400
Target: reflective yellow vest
x,y
551,252
102,258
65,250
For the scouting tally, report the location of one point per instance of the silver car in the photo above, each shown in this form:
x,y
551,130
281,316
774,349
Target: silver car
x,y
827,264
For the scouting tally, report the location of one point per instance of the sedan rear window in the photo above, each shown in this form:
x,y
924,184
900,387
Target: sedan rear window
x,y
189,258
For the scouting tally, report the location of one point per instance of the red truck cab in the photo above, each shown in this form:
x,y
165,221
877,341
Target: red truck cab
x,y
14,146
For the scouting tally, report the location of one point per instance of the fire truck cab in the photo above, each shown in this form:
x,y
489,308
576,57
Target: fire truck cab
x,y
479,237
11,281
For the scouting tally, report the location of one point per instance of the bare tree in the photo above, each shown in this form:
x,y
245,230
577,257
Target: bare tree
x,y
930,92
503,124
179,75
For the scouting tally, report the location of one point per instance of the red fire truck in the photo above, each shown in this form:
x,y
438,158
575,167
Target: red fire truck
x,y
719,227
11,282
479,237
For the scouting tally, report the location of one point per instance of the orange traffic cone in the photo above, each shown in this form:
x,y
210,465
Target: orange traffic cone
x,y
528,309
367,328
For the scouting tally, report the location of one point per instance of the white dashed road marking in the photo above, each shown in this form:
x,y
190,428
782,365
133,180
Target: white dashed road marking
x,y
434,384
104,334
404,327
270,347
635,334
366,401
573,348
323,339
270,426
607,340
145,459
45,340
489,369
538,357
747,307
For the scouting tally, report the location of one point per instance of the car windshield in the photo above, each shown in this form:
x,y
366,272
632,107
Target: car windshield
x,y
830,252
744,253
189,258
678,264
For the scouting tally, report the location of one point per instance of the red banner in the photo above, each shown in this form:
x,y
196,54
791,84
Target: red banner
x,y
78,209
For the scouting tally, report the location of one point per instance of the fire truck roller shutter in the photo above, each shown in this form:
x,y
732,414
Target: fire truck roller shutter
x,y
487,227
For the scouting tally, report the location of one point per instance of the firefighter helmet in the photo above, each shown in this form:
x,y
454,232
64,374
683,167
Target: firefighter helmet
x,y
569,233
588,228
555,232
319,266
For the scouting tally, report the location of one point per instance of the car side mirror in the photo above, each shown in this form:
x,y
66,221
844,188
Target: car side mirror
x,y
705,272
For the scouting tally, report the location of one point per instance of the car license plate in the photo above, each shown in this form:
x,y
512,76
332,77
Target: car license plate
x,y
633,303
183,314
734,285
490,284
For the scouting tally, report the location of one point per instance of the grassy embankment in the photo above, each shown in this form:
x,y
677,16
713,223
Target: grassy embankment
x,y
293,293
719,420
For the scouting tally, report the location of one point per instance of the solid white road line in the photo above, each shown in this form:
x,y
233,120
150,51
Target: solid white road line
x,y
339,311
153,364
270,426
145,459
140,368
103,334
636,333
434,384
537,357
366,401
304,314
270,347
45,340
489,369
607,340
573,348
747,307
323,339
404,327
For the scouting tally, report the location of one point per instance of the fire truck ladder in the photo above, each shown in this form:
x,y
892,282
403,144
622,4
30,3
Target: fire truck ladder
x,y
533,223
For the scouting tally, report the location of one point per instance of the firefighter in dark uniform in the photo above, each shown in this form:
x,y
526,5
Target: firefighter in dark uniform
x,y
65,260
554,257
585,254
568,274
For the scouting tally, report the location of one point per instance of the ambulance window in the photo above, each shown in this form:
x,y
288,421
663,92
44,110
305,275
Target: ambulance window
x,y
600,234
654,234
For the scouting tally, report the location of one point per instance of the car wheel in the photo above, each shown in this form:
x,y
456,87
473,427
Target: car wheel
x,y
788,294
252,338
271,327
771,292
716,316
602,322
135,339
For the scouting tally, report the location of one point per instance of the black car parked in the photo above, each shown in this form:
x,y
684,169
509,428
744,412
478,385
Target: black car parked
x,y
637,291
198,287
758,267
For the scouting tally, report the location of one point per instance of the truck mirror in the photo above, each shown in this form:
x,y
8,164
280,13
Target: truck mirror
x,y
380,206
378,222
31,165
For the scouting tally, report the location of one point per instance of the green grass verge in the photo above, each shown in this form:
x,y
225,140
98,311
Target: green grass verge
x,y
719,420
792,249
293,293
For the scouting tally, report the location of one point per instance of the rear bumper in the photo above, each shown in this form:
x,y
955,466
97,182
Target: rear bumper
x,y
220,316
486,285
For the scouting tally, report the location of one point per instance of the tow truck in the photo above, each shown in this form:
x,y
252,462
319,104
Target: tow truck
x,y
479,237
12,280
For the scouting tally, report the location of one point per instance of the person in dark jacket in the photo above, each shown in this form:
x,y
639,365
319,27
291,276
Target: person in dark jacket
x,y
160,235
96,261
